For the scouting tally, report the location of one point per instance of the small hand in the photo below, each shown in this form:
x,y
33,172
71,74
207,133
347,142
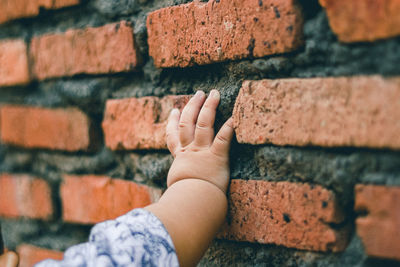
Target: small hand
x,y
190,137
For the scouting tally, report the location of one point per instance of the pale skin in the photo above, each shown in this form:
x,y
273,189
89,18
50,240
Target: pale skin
x,y
194,206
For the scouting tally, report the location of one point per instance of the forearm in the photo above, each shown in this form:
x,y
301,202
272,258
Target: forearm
x,y
192,210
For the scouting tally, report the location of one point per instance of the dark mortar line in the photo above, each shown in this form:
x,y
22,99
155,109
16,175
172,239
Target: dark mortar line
x,y
55,151
85,76
340,150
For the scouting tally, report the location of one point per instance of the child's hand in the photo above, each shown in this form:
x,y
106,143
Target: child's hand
x,y
190,138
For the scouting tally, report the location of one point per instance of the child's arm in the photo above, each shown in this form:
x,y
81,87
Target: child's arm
x,y
9,259
194,206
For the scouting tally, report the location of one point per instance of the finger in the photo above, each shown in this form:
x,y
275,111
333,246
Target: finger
x,y
189,118
173,131
204,133
222,141
9,259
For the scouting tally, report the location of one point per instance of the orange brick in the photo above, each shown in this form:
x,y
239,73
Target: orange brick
x,y
362,111
379,228
34,127
13,63
204,33
24,196
139,123
106,49
13,9
62,3
282,213
30,255
355,21
91,199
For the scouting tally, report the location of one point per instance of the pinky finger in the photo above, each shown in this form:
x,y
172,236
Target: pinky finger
x,y
222,141
172,131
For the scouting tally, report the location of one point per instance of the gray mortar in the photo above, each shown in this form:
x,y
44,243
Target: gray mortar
x,y
52,235
321,56
151,169
94,164
229,253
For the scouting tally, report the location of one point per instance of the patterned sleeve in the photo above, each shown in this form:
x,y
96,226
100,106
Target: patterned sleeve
x,y
137,238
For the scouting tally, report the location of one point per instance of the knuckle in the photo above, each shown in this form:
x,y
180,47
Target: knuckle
x,y
201,128
183,124
221,138
202,124
208,105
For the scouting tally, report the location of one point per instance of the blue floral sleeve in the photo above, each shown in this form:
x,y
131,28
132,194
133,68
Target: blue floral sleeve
x,y
137,238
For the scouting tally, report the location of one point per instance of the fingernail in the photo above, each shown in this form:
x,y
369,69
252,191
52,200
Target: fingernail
x,y
175,111
214,93
199,94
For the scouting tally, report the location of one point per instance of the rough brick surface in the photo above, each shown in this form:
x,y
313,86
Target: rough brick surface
x,y
12,9
13,63
282,213
91,199
30,255
106,49
379,226
357,111
34,127
139,123
203,33
24,196
355,21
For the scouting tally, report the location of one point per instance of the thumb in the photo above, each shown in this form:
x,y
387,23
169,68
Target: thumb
x,y
222,141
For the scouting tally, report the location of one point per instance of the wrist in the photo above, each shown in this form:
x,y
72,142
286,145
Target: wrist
x,y
222,187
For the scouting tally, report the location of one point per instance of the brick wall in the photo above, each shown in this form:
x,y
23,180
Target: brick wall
x,y
314,89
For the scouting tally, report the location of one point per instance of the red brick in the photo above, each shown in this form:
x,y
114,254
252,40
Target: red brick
x,y
13,9
106,49
139,123
354,21
282,213
91,199
203,33
24,196
362,111
379,228
34,127
13,63
30,255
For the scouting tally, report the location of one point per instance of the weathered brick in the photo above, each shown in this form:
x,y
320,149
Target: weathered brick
x,y
106,49
355,21
34,127
13,63
379,226
24,196
139,123
13,9
91,199
282,213
362,111
30,255
203,33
